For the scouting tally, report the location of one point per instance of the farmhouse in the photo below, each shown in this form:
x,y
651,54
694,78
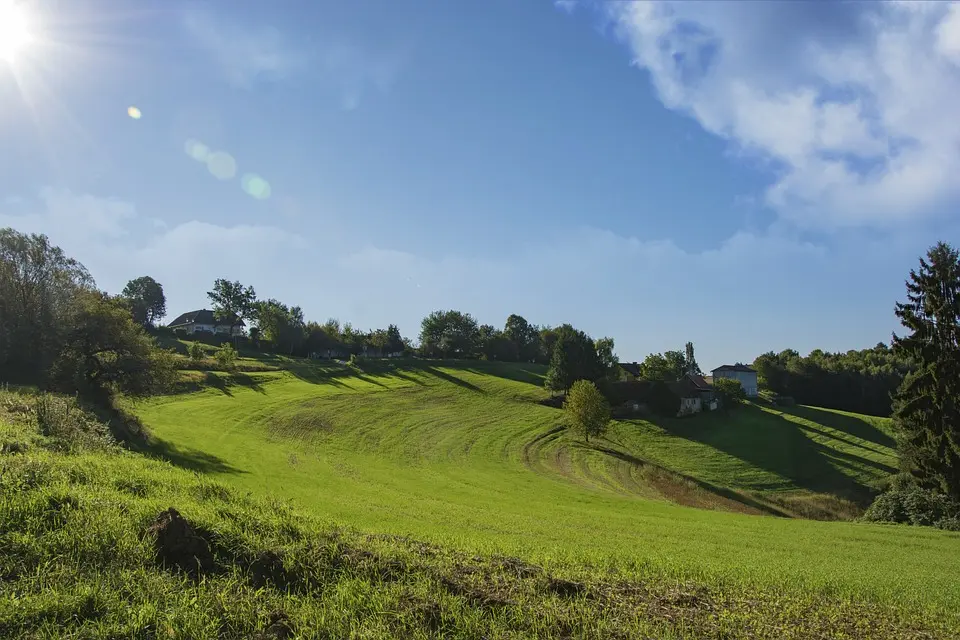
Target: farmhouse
x,y
694,393
744,374
203,321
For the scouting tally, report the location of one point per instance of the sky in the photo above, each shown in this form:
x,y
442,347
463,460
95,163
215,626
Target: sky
x,y
746,176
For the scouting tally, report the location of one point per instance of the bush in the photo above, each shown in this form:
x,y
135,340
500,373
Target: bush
x,y
195,351
916,506
63,420
353,361
226,356
728,391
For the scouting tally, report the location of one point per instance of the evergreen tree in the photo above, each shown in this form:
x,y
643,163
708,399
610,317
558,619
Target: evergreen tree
x,y
692,367
926,413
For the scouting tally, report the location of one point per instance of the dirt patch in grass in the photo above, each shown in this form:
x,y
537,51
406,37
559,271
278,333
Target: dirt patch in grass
x,y
178,545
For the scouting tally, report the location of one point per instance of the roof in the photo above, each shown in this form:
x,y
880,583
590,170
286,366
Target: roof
x,y
685,387
735,367
631,367
201,316
700,383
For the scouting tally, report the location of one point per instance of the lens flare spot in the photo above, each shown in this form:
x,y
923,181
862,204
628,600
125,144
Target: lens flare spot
x,y
255,186
222,165
134,113
197,150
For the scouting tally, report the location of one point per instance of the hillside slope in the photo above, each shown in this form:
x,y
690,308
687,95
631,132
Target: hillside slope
x,y
463,455
96,542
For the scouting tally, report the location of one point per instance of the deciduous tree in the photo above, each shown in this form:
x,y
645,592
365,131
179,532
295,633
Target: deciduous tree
x,y
39,286
146,300
587,410
232,302
106,350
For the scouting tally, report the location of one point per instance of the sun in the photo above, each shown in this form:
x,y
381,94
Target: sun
x,y
14,30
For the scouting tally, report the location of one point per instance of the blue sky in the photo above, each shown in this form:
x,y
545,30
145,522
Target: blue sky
x,y
747,176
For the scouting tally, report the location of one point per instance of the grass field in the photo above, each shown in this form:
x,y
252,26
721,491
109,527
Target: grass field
x,y
463,456
86,552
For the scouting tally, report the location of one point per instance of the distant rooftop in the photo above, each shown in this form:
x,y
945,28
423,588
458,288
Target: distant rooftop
x,y
735,367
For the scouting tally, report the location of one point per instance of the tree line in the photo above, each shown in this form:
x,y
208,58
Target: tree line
x,y
58,330
858,381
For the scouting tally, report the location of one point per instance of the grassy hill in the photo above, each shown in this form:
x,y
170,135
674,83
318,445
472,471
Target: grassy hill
x,y
90,549
463,455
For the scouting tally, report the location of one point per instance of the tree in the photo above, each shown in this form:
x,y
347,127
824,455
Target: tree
x,y
655,367
281,325
524,336
449,334
729,392
146,300
669,366
587,410
232,302
692,367
105,350
394,340
676,363
926,409
607,358
860,381
39,286
559,378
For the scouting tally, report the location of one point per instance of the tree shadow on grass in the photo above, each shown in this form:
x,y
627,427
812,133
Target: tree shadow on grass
x,y
780,446
848,424
517,371
185,458
724,492
443,375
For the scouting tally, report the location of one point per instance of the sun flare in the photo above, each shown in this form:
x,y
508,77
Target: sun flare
x,y
14,30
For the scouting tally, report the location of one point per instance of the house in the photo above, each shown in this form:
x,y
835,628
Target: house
x,y
744,374
632,369
203,321
694,393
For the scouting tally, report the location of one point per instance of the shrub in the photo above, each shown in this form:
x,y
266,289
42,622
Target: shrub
x,y
353,361
728,391
226,356
916,506
587,409
195,351
63,420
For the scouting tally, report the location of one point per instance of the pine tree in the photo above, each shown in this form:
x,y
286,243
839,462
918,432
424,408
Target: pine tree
x,y
559,375
926,413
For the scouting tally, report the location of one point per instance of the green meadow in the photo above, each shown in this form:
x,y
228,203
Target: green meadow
x,y
463,455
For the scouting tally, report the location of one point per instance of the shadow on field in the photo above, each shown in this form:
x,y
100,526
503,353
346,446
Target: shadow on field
x,y
221,383
412,371
724,492
778,445
848,424
517,371
190,459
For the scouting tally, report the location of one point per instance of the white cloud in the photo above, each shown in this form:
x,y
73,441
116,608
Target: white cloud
x,y
565,5
648,294
97,232
855,109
